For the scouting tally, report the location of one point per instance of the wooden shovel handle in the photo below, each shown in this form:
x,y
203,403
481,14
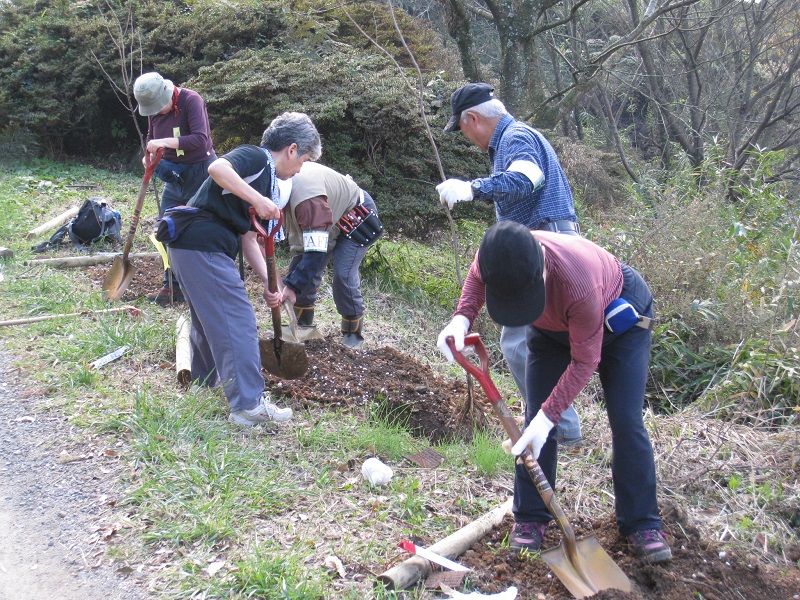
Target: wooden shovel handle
x,y
512,429
150,166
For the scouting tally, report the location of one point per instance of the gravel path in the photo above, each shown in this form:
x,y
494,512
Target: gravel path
x,y
56,496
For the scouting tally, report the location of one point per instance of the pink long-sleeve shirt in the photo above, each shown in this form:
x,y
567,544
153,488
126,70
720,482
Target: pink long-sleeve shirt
x,y
581,280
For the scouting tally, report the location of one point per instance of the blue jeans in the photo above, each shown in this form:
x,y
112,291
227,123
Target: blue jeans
x,y
514,346
623,372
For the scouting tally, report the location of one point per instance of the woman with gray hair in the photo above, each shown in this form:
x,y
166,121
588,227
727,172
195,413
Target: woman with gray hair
x,y
224,337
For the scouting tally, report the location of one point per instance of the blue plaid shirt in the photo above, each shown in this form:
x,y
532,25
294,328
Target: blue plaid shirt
x,y
512,193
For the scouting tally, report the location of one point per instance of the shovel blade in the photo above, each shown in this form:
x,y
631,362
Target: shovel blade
x,y
118,279
591,572
287,360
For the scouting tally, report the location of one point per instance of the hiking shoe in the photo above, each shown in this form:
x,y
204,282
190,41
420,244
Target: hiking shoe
x,y
527,536
650,546
162,297
263,412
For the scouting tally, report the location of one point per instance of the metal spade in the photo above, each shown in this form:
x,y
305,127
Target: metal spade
x,y
283,358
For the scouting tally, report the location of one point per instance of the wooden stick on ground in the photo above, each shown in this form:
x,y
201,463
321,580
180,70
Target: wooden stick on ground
x,y
132,309
89,260
408,572
52,223
183,353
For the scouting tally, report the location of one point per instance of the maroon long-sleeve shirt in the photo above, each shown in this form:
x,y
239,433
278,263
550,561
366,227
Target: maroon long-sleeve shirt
x,y
581,280
190,126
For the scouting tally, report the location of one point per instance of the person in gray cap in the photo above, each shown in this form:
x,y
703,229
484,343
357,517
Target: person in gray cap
x,y
527,185
177,121
586,312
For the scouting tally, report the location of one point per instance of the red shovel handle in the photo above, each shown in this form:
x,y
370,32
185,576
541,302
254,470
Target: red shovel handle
x,y
482,373
268,239
150,165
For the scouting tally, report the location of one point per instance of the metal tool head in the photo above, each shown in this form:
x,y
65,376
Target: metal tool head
x,y
600,572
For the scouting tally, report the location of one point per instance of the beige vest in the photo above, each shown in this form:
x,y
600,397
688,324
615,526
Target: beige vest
x,y
314,180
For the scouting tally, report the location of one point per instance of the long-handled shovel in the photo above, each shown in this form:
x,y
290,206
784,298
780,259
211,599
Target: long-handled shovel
x,y
121,273
582,565
287,360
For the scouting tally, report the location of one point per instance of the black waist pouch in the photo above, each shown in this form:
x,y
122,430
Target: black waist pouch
x,y
175,220
361,225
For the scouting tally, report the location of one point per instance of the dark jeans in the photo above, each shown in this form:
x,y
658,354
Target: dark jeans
x,y
176,193
623,373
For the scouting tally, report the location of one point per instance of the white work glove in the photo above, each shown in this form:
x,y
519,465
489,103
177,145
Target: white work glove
x,y
457,328
535,435
454,190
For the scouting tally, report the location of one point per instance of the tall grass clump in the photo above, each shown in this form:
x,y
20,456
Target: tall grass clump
x,y
724,270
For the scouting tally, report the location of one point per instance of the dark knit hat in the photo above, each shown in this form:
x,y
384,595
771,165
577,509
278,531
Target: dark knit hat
x,y
511,264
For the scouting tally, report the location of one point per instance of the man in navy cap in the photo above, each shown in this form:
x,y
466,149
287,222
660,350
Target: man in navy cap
x,y
586,312
527,185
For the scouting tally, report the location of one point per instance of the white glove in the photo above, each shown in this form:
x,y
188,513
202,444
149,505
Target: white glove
x,y
457,328
535,435
454,190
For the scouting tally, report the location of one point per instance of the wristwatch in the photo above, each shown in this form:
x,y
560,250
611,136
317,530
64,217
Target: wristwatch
x,y
476,187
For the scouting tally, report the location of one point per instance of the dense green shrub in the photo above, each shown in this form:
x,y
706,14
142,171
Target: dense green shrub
x,y
365,110
251,60
725,280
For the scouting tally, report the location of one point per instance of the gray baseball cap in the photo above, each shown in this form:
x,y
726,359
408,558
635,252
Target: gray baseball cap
x,y
153,93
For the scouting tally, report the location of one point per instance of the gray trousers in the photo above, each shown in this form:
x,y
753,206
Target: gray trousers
x,y
514,346
224,335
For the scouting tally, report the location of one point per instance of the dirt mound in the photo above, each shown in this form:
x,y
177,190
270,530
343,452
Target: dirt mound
x,y
406,391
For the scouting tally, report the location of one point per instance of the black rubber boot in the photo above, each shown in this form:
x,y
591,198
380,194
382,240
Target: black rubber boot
x,y
305,315
351,331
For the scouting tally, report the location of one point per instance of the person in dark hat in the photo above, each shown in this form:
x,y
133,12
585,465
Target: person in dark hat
x,y
584,311
177,121
527,185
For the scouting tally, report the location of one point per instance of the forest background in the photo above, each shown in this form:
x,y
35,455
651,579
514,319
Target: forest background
x,y
676,122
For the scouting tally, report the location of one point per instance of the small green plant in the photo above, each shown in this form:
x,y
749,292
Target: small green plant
x,y
487,453
273,573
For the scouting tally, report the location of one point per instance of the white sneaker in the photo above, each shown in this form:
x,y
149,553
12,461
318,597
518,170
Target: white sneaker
x,y
263,412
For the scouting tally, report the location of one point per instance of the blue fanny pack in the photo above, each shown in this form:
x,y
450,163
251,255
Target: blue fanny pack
x,y
620,316
170,172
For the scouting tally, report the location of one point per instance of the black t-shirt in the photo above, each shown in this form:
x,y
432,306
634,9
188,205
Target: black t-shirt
x,y
232,213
